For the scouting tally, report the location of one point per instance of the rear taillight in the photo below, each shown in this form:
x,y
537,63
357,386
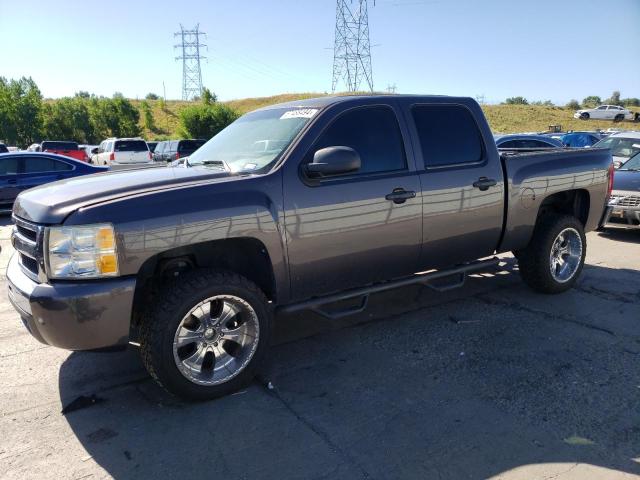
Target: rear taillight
x,y
177,155
150,157
112,157
610,186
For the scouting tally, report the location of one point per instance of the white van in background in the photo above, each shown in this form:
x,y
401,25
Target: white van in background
x,y
122,150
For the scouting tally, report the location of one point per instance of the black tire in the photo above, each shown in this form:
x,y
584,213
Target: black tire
x,y
584,116
618,118
160,324
534,261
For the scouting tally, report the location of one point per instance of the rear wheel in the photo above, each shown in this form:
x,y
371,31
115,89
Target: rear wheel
x,y
207,336
618,118
554,258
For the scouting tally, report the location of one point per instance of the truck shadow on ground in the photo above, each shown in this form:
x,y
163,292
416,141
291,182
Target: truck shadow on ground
x,y
621,234
469,384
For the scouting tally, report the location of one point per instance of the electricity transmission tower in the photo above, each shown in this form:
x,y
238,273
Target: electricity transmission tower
x,y
352,48
190,48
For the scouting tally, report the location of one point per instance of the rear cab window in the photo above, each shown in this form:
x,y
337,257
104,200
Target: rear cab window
x,y
448,135
47,145
131,146
190,145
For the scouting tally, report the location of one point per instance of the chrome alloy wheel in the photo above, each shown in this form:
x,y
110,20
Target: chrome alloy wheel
x,y
566,255
216,340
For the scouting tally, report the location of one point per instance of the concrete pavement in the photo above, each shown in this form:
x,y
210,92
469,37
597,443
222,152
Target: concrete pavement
x,y
487,381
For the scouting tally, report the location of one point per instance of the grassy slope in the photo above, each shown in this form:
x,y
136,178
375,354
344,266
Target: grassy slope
x,y
502,118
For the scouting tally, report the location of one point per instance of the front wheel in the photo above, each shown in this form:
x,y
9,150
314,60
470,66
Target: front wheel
x,y
207,335
554,258
584,116
618,118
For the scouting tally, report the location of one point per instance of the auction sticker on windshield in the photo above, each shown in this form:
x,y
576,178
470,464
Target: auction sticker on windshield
x,y
299,113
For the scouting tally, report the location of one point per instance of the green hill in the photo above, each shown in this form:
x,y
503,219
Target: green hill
x,y
502,118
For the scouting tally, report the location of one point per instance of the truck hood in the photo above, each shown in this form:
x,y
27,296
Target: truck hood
x,y
53,202
626,181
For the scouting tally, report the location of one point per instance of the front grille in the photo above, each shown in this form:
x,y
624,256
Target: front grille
x,y
632,201
29,263
30,234
27,238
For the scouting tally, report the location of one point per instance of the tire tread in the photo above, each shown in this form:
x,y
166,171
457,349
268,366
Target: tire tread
x,y
533,260
171,298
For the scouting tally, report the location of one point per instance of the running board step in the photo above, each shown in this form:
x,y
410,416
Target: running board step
x,y
438,280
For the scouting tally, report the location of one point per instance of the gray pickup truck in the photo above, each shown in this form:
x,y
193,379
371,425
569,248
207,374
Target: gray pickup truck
x,y
312,205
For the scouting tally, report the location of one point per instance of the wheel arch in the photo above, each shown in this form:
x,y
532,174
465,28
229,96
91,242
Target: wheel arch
x,y
246,256
576,203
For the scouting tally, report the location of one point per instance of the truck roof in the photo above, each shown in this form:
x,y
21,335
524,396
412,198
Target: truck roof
x,y
321,102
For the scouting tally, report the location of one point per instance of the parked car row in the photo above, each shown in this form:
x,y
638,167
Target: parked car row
x,y
170,150
20,171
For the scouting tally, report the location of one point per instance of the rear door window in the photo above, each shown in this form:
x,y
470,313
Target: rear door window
x,y
8,166
131,146
448,135
44,164
540,144
373,132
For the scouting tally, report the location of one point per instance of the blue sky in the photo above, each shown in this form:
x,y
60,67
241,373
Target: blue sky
x,y
542,49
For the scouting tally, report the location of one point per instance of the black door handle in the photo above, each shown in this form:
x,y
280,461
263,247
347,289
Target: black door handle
x,y
483,183
400,195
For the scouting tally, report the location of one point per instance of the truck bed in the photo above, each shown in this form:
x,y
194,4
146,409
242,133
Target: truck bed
x,y
533,177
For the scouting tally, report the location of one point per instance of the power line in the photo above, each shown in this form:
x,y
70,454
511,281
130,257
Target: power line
x,y
352,47
190,48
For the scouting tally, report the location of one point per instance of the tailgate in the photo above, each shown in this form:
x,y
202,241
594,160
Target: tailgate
x,y
132,157
75,154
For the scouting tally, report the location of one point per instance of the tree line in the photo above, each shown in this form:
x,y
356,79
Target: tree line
x,y
591,101
26,117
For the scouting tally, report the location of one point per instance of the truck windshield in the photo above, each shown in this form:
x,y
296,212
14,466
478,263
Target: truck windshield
x,y
620,146
254,142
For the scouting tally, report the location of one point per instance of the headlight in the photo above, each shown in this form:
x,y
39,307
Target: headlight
x,y
81,251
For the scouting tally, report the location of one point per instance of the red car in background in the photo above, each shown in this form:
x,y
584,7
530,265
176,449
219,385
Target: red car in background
x,y
67,149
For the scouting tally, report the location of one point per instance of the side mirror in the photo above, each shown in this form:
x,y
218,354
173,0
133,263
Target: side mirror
x,y
333,161
94,151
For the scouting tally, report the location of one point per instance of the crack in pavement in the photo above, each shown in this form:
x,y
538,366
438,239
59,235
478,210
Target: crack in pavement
x,y
608,295
547,316
556,475
335,448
